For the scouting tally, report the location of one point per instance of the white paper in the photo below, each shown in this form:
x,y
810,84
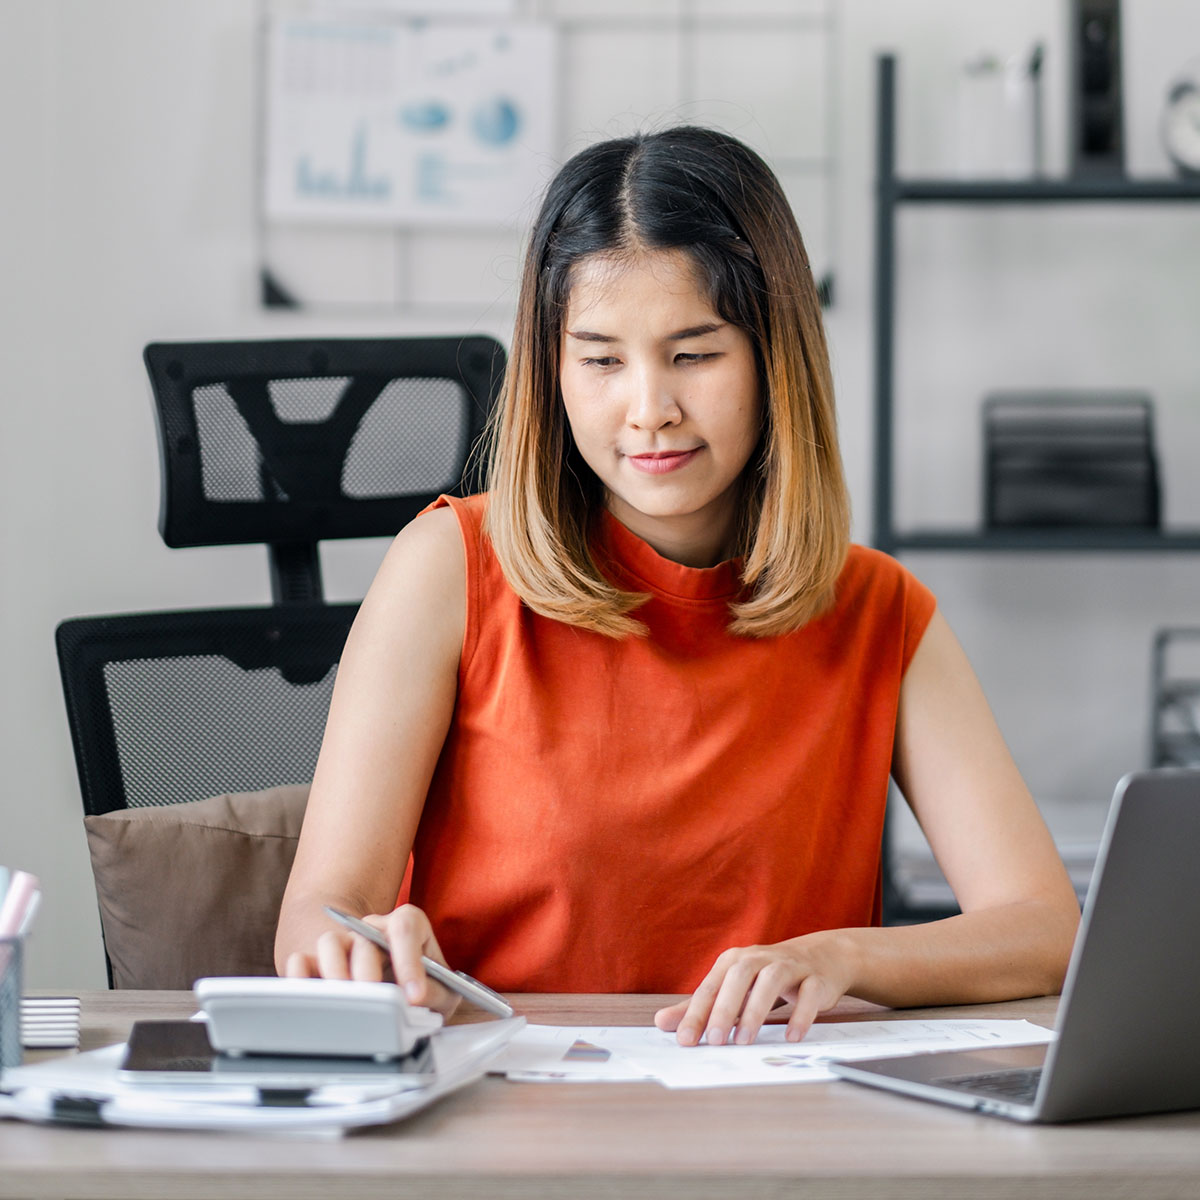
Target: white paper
x,y
556,1053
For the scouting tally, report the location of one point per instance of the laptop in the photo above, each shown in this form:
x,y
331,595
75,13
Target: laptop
x,y
1128,1029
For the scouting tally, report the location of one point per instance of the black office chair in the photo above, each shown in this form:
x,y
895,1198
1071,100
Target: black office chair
x,y
286,443
168,707
290,443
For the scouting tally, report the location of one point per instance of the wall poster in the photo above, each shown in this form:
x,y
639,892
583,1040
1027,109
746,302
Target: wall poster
x,y
417,123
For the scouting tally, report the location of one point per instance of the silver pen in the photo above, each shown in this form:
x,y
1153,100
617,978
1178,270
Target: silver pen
x,y
457,981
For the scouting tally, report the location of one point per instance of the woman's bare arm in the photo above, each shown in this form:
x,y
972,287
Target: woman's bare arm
x,y
1019,912
391,709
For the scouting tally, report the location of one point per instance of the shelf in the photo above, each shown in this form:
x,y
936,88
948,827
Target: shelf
x,y
1057,540
1041,191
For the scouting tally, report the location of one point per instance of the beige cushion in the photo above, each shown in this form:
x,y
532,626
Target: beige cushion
x,y
188,890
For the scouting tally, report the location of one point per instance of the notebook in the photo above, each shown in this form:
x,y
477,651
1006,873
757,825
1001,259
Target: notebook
x,y
1128,1031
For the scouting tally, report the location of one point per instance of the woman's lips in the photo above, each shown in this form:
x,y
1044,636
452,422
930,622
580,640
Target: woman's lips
x,y
663,462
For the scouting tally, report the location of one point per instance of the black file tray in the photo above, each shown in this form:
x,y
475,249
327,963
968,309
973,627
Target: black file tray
x,y
1062,459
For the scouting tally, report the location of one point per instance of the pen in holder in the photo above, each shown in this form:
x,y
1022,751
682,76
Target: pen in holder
x,y
10,1002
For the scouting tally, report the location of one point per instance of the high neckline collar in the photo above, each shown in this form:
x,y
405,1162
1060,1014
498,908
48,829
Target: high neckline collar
x,y
650,571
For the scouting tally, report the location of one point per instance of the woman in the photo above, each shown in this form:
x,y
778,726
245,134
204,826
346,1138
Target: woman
x,y
635,710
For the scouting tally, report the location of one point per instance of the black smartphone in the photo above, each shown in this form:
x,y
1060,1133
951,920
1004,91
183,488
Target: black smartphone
x,y
180,1052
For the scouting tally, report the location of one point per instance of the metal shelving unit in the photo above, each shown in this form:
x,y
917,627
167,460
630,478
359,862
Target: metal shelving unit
x,y
895,193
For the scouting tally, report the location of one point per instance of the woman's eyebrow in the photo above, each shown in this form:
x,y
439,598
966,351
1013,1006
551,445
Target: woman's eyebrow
x,y
682,335
694,331
584,335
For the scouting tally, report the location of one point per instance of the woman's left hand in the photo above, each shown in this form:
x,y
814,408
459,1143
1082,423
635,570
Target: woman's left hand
x,y
747,982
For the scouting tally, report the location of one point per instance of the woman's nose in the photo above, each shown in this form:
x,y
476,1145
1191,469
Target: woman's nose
x,y
653,403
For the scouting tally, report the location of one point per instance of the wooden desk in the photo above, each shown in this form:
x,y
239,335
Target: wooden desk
x,y
499,1140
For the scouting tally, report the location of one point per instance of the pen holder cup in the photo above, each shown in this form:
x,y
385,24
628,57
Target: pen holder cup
x,y
10,1002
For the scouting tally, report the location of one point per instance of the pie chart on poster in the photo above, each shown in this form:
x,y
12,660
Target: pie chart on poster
x,y
496,122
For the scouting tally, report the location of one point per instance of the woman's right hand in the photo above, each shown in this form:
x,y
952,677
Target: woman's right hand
x,y
341,954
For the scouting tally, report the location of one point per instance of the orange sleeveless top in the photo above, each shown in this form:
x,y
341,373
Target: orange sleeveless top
x,y
609,815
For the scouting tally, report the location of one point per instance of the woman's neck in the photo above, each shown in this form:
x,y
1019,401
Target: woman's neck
x,y
698,539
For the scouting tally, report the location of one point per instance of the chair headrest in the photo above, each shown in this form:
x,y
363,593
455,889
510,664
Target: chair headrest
x,y
305,440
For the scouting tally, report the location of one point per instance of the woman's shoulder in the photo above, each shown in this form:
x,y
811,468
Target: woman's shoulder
x,y
453,517
870,574
447,522
426,558
880,604
473,506
434,531
868,563
415,607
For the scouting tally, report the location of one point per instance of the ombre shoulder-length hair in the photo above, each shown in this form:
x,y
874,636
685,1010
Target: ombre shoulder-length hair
x,y
706,194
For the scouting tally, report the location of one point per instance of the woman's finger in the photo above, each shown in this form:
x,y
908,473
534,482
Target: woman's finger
x,y
775,982
815,997
366,960
411,936
695,1019
300,966
668,1019
731,998
407,929
333,955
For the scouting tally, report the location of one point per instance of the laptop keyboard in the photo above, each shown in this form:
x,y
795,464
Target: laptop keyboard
x,y
1018,1086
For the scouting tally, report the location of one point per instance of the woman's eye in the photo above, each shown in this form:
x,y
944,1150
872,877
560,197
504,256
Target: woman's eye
x,y
600,362
693,358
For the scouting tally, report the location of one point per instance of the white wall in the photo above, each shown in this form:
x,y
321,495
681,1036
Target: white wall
x,y
128,216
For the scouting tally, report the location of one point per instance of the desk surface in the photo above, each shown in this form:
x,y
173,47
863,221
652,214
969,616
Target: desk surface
x,y
498,1139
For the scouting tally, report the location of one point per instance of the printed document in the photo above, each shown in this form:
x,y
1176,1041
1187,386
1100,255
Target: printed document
x,y
550,1053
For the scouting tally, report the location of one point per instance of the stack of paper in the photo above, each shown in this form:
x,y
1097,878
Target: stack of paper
x,y
89,1089
49,1022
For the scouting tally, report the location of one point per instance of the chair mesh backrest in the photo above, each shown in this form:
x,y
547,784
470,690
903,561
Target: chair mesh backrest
x,y
300,441
170,707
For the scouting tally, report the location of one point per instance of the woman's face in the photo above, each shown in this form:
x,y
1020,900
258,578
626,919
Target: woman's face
x,y
662,397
